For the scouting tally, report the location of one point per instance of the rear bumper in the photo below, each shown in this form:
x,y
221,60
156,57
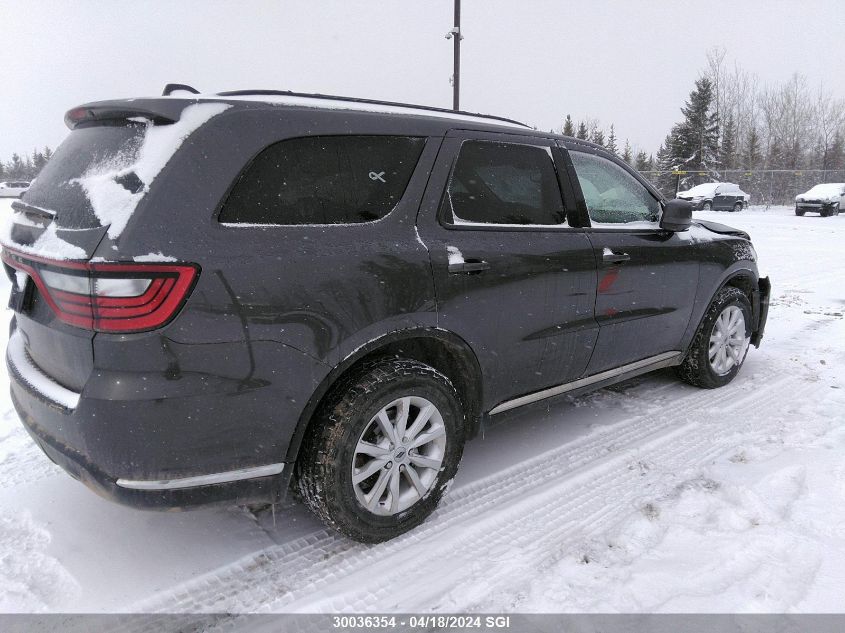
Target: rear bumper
x,y
161,443
760,309
78,466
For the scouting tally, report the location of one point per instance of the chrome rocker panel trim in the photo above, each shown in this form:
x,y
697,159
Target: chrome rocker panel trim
x,y
660,360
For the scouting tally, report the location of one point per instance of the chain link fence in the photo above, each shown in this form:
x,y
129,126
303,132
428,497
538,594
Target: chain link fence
x,y
766,186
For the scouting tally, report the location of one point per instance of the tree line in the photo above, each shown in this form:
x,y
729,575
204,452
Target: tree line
x,y
731,121
25,168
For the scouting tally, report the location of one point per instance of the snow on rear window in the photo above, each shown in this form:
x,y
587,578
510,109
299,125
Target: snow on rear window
x,y
115,185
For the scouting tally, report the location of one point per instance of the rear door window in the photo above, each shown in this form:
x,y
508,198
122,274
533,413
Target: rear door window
x,y
505,184
324,180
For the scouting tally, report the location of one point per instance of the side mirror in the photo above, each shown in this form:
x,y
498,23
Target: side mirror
x,y
677,215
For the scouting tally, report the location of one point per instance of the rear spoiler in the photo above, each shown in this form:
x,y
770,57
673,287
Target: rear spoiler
x,y
86,114
158,111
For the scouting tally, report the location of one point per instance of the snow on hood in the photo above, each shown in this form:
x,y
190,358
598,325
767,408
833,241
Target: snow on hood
x,y
113,203
705,189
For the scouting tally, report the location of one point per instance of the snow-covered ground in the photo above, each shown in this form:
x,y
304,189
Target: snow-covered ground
x,y
647,496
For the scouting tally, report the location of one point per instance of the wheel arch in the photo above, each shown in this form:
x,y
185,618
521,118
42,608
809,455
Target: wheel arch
x,y
445,351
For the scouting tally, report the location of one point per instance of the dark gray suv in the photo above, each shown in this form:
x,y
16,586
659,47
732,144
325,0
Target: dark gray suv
x,y
218,295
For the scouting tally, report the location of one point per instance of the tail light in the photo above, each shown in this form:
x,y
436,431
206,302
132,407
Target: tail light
x,y
108,297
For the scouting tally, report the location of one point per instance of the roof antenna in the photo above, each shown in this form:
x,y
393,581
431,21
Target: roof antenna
x,y
171,88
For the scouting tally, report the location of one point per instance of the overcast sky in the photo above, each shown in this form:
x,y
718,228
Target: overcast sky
x,y
623,62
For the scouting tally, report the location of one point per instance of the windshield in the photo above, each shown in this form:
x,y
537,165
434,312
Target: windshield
x,y
57,188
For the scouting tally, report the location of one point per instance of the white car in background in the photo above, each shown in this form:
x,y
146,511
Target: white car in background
x,y
825,199
13,188
718,196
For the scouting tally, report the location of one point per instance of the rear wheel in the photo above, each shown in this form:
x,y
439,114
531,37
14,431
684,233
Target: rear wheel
x,y
737,207
721,343
382,449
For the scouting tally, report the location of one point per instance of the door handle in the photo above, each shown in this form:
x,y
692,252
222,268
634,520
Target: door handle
x,y
468,266
609,257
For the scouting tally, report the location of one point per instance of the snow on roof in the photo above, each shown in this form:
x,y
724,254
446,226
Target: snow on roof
x,y
329,103
832,187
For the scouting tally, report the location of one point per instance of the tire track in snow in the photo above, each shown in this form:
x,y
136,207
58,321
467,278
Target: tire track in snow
x,y
510,543
280,576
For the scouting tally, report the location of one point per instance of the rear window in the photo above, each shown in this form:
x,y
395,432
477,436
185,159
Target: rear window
x,y
85,148
324,180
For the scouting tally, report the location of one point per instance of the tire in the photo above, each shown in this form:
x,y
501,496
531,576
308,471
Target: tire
x,y
737,207
707,206
797,212
697,368
836,209
348,420
825,213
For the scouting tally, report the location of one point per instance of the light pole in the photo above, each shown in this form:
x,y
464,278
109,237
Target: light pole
x,y
455,34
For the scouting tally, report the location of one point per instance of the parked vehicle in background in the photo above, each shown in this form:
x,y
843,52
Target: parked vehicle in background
x,y
13,188
340,291
718,196
825,199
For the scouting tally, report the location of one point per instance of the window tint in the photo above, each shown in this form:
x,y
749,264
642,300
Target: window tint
x,y
324,180
611,193
505,183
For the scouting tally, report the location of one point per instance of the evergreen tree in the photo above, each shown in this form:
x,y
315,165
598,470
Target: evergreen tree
x,y
38,162
568,127
597,135
642,163
753,155
775,158
627,153
2,171
582,131
666,181
611,142
727,155
696,142
48,153
16,167
835,157
28,169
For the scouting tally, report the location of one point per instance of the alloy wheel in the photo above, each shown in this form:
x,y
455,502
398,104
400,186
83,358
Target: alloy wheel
x,y
728,342
399,455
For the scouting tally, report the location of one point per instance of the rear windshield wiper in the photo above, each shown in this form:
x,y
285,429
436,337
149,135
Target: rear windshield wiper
x,y
34,214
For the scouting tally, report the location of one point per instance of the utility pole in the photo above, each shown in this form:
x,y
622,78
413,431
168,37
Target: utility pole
x,y
455,34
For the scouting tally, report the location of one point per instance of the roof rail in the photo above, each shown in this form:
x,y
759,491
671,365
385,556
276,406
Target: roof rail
x,y
171,88
288,93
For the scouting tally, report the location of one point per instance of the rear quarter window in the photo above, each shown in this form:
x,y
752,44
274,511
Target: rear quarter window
x,y
323,180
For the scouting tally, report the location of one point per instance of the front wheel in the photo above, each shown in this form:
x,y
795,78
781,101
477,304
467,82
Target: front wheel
x,y
382,450
797,212
707,206
721,343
